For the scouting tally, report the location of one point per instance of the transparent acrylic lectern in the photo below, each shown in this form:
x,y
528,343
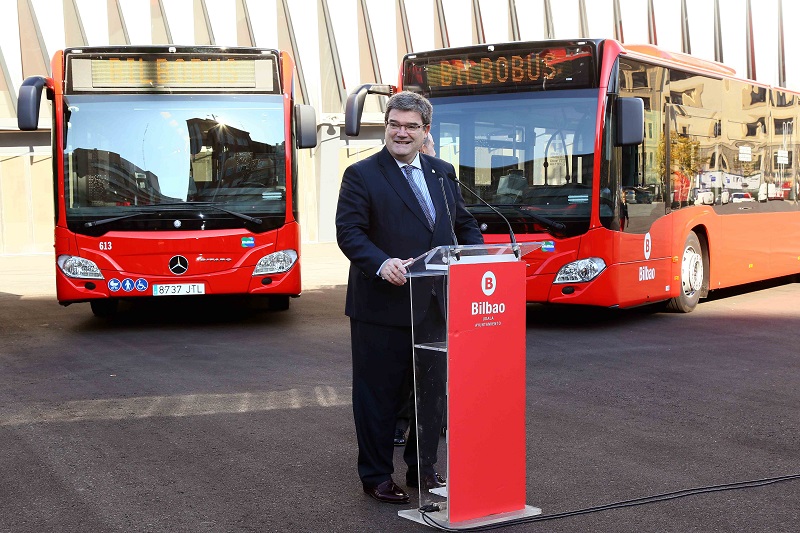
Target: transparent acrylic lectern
x,y
468,329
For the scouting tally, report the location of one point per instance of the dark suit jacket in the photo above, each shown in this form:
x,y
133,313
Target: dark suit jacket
x,y
379,217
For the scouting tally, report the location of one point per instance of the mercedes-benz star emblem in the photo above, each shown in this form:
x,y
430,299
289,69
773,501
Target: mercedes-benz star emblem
x,y
178,265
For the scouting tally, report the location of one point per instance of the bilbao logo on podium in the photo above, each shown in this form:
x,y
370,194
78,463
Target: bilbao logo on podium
x,y
488,283
488,286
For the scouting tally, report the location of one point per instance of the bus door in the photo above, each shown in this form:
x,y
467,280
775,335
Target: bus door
x,y
644,232
643,251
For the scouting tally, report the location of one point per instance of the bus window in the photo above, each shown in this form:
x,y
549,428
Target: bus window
x,y
642,167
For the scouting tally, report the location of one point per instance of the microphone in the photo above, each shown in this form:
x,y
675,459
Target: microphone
x,y
514,245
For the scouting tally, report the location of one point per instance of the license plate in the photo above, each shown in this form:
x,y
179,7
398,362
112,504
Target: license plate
x,y
178,289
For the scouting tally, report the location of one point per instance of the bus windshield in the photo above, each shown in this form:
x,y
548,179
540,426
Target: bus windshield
x,y
126,154
528,153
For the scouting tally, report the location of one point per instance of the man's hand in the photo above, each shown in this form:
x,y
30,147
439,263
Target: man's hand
x,y
394,271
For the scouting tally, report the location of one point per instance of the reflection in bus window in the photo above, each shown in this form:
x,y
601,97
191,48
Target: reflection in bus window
x,y
530,154
220,149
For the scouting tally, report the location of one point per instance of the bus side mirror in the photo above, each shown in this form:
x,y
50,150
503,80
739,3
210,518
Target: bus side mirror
x,y
305,126
630,121
354,107
29,101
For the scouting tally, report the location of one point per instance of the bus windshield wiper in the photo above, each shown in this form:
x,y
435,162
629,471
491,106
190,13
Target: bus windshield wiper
x,y
248,218
175,204
94,223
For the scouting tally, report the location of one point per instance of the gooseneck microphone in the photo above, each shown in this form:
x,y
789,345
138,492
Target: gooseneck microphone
x,y
514,245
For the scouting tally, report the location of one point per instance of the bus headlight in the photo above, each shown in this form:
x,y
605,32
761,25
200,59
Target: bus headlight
x,y
275,262
78,267
580,271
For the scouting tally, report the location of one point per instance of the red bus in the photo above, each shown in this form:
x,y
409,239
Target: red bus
x,y
174,172
623,160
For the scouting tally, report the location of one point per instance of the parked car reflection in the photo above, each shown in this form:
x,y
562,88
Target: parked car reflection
x,y
739,197
703,197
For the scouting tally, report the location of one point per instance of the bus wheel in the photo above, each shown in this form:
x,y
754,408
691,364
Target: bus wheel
x,y
278,303
693,273
104,308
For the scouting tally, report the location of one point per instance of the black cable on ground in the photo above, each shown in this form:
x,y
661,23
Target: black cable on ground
x,y
618,505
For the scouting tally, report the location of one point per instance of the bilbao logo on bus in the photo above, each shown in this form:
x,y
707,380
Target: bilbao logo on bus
x,y
646,273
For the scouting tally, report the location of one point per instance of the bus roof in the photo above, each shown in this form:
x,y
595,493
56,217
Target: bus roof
x,y
680,59
167,48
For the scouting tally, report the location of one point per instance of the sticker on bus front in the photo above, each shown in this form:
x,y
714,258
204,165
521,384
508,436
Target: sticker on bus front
x,y
248,242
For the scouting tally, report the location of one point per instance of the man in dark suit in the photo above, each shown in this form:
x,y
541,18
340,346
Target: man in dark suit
x,y
391,209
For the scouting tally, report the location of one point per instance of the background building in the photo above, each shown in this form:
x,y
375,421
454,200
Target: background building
x,y
337,45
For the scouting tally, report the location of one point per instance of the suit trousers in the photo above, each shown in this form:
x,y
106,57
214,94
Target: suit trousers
x,y
382,365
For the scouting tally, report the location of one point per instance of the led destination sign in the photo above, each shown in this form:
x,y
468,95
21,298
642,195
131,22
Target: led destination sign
x,y
489,71
175,72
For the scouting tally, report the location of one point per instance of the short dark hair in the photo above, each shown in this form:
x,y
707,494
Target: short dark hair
x,y
408,101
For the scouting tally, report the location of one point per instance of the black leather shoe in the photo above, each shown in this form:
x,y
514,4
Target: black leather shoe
x,y
387,492
399,437
429,481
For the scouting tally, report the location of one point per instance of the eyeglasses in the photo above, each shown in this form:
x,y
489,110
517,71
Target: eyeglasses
x,y
410,128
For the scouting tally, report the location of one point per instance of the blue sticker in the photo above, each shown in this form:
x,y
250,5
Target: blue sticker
x,y
141,284
114,285
549,246
248,242
127,284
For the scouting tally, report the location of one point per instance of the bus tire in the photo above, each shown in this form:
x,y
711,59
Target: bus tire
x,y
694,272
278,303
104,308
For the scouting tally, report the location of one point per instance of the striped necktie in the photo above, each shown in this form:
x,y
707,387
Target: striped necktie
x,y
407,170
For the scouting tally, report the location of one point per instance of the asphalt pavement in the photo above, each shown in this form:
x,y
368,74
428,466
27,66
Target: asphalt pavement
x,y
179,418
